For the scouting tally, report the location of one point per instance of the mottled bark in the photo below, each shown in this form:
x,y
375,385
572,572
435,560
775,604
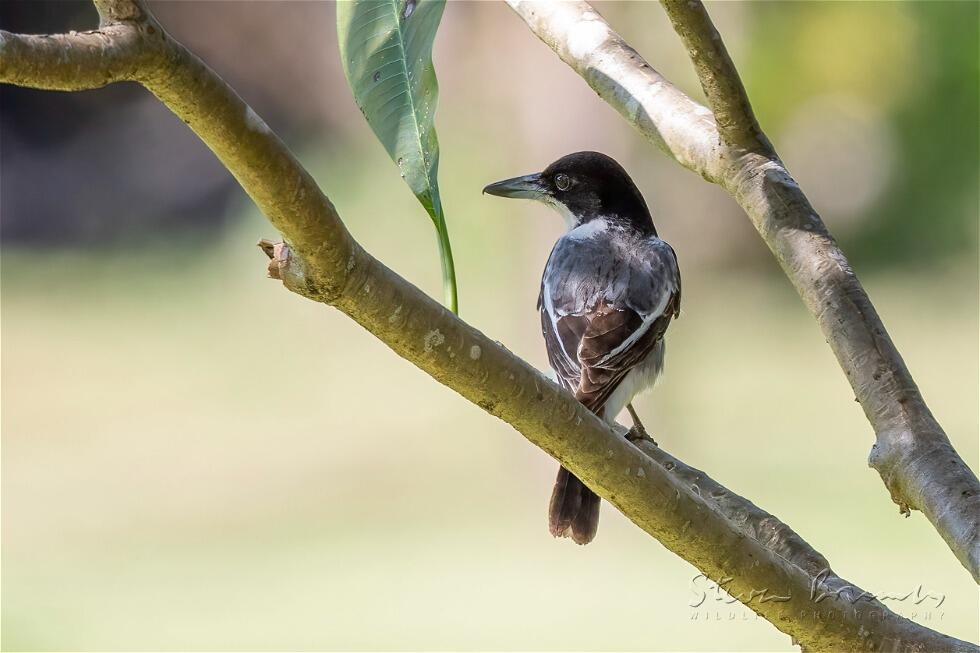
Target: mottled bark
x,y
70,62
760,560
719,78
915,459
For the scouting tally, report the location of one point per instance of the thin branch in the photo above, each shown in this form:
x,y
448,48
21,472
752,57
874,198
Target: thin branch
x,y
760,560
123,11
70,62
915,459
719,78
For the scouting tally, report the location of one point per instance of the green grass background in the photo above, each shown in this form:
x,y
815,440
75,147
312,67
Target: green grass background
x,y
195,458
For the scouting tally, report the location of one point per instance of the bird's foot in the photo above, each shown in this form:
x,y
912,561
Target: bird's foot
x,y
639,434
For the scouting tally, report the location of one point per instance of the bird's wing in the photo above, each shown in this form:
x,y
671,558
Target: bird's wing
x,y
604,308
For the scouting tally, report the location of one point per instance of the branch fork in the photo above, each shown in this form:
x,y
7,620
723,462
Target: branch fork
x,y
912,454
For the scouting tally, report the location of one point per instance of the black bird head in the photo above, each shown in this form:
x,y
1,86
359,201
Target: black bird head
x,y
582,186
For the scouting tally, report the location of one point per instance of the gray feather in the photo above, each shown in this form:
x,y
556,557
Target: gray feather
x,y
611,292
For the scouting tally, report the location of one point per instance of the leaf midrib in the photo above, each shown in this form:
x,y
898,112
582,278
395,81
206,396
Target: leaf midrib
x,y
411,98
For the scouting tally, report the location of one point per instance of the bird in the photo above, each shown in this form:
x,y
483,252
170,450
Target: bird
x,y
610,289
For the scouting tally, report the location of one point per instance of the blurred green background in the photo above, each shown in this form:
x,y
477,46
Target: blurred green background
x,y
194,458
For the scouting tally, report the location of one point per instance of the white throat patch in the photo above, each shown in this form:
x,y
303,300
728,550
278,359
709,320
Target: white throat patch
x,y
567,216
588,230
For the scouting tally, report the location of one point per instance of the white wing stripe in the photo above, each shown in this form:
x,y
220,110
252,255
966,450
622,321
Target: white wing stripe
x,y
648,321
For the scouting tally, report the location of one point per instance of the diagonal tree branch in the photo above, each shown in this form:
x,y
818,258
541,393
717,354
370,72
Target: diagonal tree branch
x,y
760,560
719,78
915,459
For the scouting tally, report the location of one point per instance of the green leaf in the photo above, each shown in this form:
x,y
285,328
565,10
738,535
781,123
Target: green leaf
x,y
386,51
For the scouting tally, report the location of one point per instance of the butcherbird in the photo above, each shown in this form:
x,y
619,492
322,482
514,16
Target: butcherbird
x,y
610,288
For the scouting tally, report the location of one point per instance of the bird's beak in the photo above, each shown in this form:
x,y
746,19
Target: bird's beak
x,y
528,187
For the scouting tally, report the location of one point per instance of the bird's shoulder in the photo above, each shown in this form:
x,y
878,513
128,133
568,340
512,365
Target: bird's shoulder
x,y
603,262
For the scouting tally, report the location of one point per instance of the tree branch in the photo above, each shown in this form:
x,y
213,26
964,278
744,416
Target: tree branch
x,y
70,62
123,11
758,559
912,454
719,78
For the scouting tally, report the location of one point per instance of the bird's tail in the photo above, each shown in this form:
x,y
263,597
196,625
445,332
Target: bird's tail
x,y
574,509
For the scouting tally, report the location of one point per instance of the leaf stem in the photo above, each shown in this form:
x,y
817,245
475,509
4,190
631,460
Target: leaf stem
x,y
448,267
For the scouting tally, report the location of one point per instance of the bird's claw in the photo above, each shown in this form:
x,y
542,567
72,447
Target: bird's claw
x,y
639,434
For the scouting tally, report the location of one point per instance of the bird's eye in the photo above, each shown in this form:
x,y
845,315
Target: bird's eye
x,y
562,182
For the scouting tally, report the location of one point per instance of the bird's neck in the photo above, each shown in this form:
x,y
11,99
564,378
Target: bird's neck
x,y
638,221
628,209
629,206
